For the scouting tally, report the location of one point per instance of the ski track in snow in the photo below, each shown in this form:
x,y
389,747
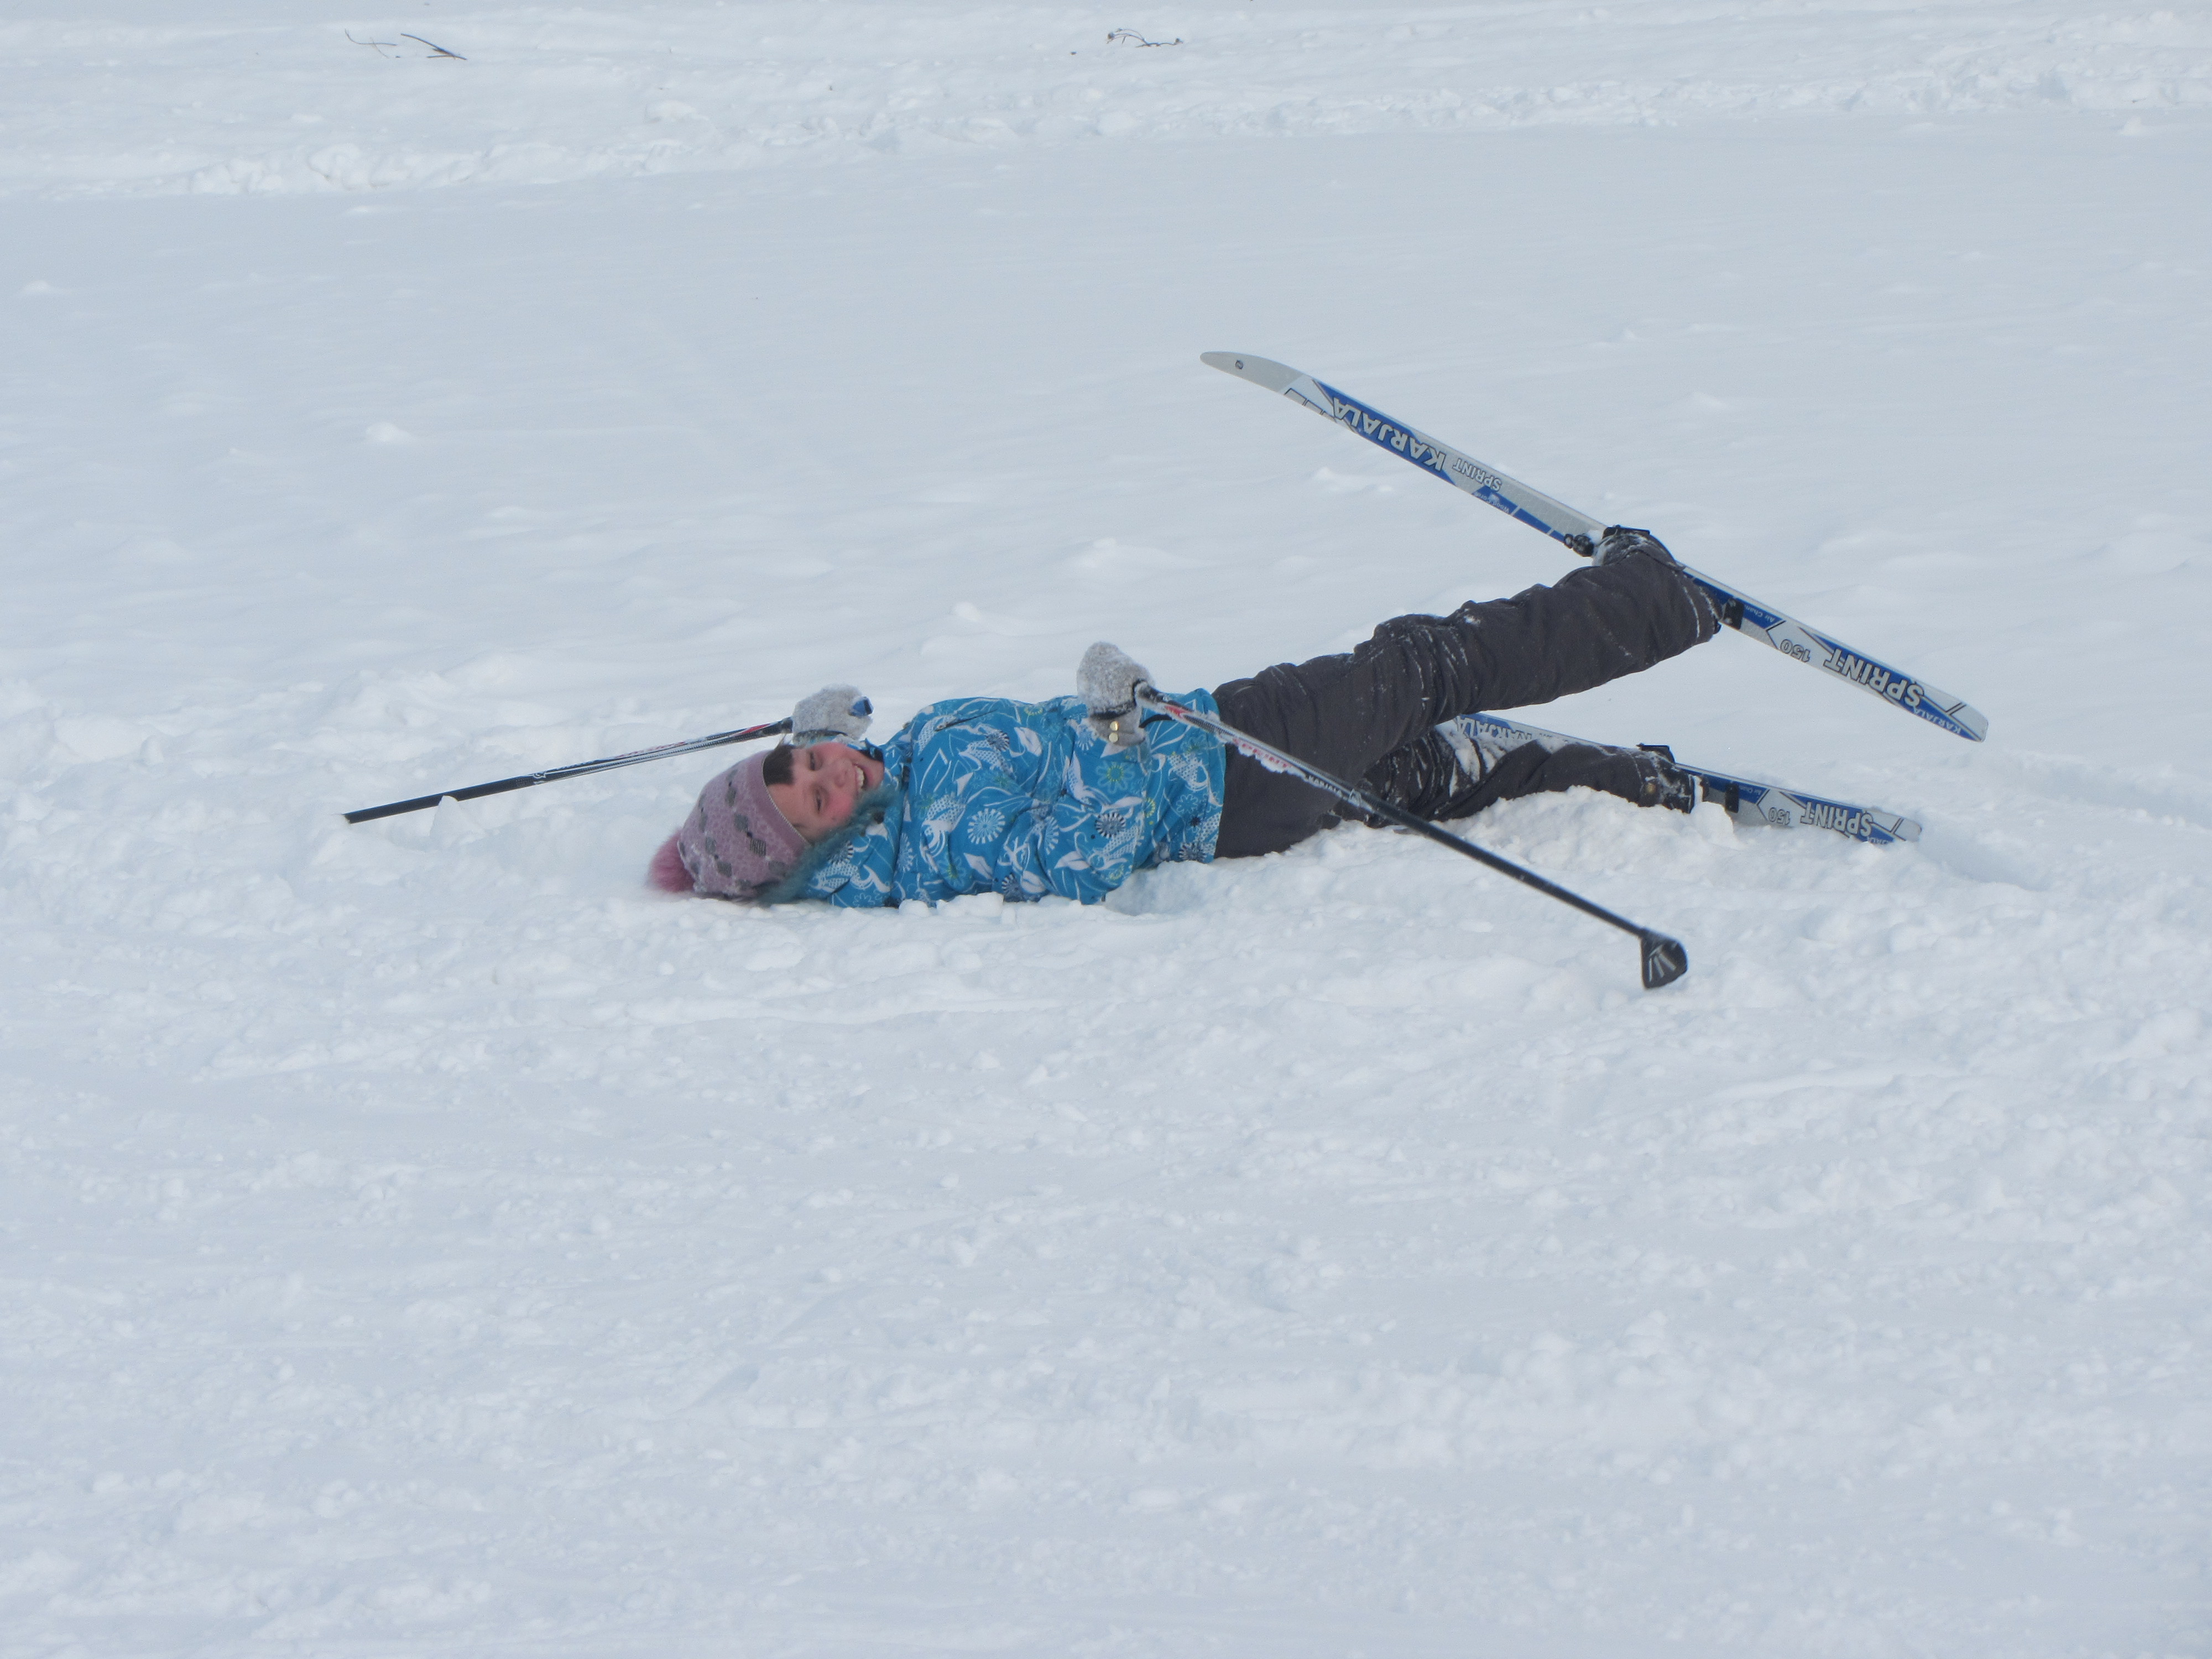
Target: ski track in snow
x,y
419,1239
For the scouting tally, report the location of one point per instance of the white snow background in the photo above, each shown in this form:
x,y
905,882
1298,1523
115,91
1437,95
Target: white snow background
x,y
419,1239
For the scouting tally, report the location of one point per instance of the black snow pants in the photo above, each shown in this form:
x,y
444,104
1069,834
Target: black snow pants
x,y
1368,715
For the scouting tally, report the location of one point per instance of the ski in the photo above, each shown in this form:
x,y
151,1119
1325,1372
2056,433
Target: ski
x,y
1580,533
1745,800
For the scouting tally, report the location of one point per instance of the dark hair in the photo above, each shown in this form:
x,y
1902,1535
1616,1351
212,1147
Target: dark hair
x,y
777,768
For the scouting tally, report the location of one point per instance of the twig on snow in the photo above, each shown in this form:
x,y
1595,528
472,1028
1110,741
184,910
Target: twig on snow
x,y
379,44
436,50
1131,38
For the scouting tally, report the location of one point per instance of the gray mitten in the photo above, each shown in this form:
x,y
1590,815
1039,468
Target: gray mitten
x,y
835,713
1619,542
1106,681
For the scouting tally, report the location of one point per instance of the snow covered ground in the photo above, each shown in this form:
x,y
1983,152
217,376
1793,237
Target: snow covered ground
x,y
226,95
419,1239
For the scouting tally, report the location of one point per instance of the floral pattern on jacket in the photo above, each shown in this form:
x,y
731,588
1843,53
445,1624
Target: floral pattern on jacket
x,y
1022,799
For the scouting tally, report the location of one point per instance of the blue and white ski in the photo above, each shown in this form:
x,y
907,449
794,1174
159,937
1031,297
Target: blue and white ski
x,y
1581,532
1745,800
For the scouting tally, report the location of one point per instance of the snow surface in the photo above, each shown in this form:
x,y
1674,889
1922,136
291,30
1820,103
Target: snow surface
x,y
420,1239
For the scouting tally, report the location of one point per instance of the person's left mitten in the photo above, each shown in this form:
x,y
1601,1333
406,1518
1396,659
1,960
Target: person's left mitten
x,y
835,713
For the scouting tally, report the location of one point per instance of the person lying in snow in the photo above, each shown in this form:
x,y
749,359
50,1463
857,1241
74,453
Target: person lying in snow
x,y
1030,800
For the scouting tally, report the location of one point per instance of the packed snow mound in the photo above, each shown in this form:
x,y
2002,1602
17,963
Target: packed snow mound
x,y
265,98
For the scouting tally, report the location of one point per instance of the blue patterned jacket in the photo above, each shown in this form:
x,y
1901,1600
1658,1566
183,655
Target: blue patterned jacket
x,y
987,795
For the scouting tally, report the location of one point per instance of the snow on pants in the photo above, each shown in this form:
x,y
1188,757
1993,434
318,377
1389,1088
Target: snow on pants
x,y
1370,715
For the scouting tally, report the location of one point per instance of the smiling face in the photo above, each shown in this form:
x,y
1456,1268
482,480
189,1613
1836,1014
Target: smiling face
x,y
827,782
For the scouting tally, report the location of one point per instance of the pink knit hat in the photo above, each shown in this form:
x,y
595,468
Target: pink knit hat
x,y
736,844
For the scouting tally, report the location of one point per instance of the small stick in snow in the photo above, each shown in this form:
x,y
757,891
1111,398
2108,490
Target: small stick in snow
x,y
436,50
379,44
1130,37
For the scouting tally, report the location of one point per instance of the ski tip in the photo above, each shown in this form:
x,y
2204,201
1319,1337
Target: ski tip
x,y
1974,725
1260,371
1665,961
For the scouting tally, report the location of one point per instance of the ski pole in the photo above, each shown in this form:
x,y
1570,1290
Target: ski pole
x,y
662,751
1663,960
